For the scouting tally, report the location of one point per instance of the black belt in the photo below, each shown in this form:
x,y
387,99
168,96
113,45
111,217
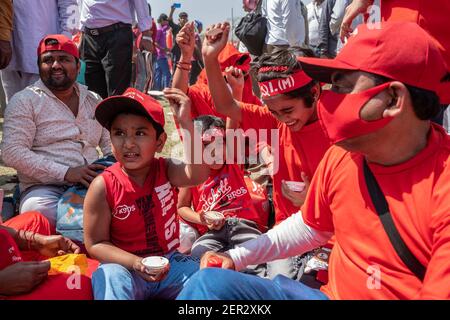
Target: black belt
x,y
112,27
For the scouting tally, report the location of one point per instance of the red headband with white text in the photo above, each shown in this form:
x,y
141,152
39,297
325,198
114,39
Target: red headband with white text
x,y
282,85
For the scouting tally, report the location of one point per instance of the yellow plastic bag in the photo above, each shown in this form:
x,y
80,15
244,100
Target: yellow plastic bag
x,y
68,263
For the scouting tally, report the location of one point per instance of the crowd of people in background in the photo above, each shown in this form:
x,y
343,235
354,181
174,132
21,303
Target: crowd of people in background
x,y
331,151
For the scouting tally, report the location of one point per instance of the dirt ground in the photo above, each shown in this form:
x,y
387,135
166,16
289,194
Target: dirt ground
x,y
8,178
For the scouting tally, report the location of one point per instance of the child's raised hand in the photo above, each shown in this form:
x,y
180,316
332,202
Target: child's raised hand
x,y
234,77
216,38
180,104
186,40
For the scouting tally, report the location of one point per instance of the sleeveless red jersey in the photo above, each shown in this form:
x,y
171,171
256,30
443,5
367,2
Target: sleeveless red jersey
x,y
144,219
226,191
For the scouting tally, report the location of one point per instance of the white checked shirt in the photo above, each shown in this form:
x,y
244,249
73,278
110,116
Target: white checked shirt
x,y
42,138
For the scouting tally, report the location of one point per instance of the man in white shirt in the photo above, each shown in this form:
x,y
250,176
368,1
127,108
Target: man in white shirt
x,y
314,13
107,43
50,134
32,21
330,24
286,25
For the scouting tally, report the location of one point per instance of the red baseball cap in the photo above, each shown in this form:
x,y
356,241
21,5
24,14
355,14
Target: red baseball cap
x,y
58,42
400,51
131,99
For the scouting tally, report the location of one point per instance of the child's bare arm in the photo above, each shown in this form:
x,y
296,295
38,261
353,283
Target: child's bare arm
x,y
97,223
223,99
186,41
185,211
184,207
192,171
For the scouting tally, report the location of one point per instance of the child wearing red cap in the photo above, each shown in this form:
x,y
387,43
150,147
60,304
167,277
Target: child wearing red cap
x,y
130,211
224,191
290,97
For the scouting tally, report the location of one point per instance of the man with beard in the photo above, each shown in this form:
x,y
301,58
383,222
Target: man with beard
x,y
50,133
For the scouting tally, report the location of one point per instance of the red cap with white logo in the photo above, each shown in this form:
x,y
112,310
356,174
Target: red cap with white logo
x,y
400,51
131,99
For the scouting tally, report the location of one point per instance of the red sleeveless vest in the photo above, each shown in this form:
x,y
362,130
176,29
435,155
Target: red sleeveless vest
x,y
144,219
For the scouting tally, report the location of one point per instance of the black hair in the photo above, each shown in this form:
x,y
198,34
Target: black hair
x,y
163,17
425,102
281,57
158,128
206,122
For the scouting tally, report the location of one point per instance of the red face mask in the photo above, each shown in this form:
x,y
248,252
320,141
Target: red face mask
x,y
340,114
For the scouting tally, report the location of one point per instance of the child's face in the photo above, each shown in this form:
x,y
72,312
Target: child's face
x,y
291,111
134,141
217,151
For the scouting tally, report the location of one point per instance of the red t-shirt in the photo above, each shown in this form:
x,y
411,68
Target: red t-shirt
x,y
299,151
144,219
430,15
225,191
202,102
418,194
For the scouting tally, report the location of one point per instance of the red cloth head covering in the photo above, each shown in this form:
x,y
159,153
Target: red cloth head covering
x,y
230,56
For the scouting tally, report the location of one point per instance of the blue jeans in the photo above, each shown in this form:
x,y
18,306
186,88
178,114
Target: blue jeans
x,y
162,74
112,281
221,284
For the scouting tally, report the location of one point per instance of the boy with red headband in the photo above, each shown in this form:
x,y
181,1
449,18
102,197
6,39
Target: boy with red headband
x,y
383,190
130,211
224,191
290,97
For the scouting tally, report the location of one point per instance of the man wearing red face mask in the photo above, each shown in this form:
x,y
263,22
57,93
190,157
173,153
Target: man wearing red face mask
x,y
384,93
432,16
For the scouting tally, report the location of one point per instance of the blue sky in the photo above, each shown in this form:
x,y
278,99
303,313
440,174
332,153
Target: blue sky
x,y
207,11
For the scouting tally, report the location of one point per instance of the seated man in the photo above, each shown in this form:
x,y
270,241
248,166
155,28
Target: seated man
x,y
50,134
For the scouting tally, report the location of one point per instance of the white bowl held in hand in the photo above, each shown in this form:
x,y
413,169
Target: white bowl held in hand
x,y
296,186
155,264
